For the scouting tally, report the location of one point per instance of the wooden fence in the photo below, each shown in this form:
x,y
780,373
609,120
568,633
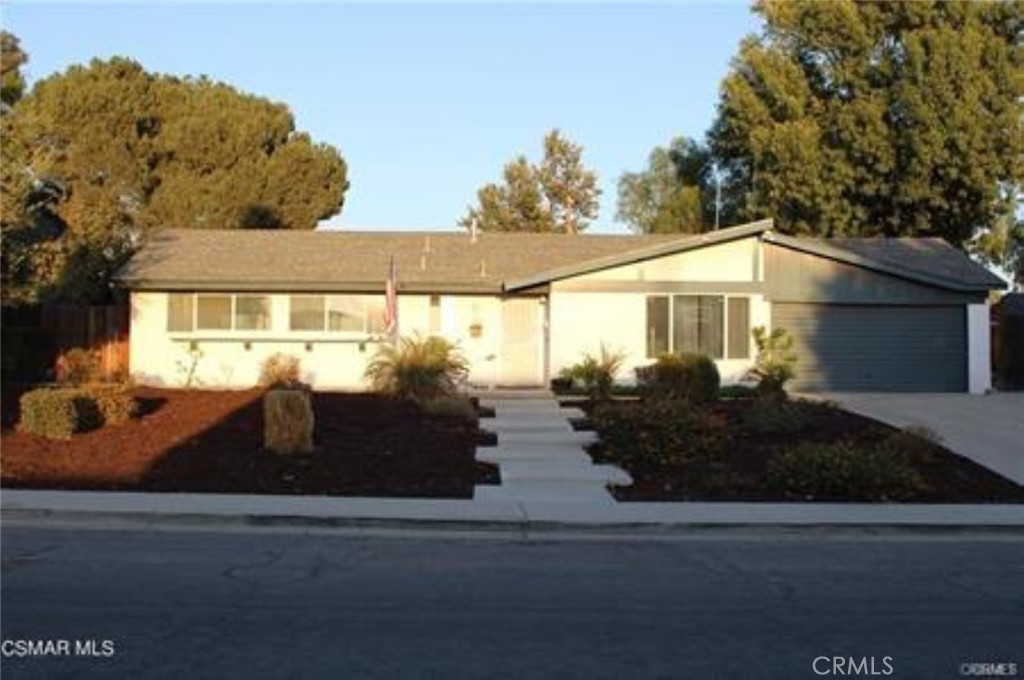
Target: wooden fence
x,y
101,329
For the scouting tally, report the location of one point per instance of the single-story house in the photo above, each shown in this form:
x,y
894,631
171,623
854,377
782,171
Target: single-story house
x,y
866,313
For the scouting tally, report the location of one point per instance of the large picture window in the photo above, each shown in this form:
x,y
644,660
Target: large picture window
x,y
336,313
715,325
187,312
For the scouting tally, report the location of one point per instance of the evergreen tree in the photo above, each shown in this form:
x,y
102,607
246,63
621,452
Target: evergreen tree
x,y
558,195
676,193
110,152
872,118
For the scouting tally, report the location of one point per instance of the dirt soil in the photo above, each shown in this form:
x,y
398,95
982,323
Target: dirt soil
x,y
211,441
947,476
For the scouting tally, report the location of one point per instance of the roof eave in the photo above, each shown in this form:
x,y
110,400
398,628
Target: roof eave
x,y
425,287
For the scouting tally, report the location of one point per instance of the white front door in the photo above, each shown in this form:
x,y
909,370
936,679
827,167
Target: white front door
x,y
522,342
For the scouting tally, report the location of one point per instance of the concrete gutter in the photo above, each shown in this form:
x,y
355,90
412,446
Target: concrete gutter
x,y
492,514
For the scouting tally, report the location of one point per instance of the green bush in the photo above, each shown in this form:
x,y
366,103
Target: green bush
x,y
595,374
687,377
460,408
661,433
918,444
736,392
776,362
280,370
58,413
843,471
115,402
418,369
782,417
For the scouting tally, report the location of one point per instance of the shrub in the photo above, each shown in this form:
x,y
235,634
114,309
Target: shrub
x,y
661,433
460,408
782,417
279,370
689,377
115,402
57,413
775,364
596,375
288,421
737,392
918,444
418,369
78,366
841,470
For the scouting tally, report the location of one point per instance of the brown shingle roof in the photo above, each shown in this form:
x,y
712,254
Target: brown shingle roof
x,y
333,260
206,259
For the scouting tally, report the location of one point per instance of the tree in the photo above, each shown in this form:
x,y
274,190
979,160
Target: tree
x,y
12,58
558,195
676,193
868,118
112,152
1002,246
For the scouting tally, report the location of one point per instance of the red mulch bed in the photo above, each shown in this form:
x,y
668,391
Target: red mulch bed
x,y
211,441
948,477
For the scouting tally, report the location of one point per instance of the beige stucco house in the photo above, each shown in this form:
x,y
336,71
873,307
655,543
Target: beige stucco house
x,y
867,314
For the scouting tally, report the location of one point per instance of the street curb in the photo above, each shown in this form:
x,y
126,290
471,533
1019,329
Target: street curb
x,y
621,519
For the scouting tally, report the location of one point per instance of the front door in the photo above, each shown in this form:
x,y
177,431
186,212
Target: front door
x,y
522,342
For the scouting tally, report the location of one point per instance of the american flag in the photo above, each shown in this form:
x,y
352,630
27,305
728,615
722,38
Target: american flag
x,y
391,302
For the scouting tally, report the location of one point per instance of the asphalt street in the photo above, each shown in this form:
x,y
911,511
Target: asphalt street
x,y
186,603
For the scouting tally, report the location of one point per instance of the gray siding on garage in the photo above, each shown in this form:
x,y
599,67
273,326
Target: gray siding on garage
x,y
862,348
792,276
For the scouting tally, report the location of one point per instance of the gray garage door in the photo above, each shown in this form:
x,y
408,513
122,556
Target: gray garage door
x,y
857,348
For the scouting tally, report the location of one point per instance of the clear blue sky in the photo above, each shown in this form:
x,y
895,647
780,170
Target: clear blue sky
x,y
427,102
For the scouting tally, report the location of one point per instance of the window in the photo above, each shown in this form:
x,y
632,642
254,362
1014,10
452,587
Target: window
x,y
252,312
179,312
187,312
336,313
213,312
306,313
657,326
709,324
345,314
739,327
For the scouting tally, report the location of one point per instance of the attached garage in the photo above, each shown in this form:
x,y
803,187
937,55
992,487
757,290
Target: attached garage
x,y
880,314
862,348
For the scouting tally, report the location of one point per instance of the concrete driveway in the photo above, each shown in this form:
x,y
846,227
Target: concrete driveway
x,y
988,429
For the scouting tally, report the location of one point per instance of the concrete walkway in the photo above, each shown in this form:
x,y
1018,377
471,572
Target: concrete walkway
x,y
541,459
988,429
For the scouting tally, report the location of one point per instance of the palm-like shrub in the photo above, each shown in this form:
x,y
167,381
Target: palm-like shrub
x,y
776,362
418,368
596,374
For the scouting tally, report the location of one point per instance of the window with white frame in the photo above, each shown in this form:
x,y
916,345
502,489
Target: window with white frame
x,y
336,313
716,325
187,312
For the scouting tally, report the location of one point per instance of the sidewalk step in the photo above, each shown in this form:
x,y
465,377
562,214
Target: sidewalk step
x,y
559,470
502,455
